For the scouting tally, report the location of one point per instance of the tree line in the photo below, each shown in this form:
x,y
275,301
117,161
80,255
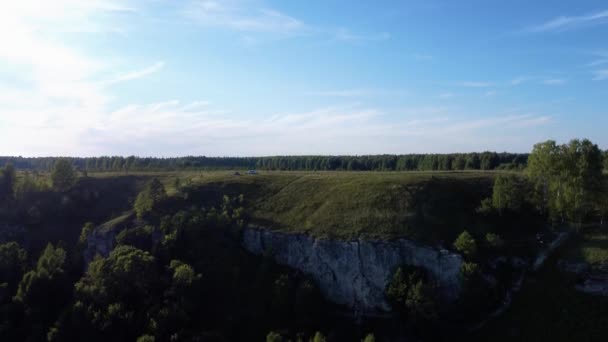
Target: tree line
x,y
405,162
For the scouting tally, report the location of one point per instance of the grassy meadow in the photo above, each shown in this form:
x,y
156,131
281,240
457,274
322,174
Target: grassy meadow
x,y
342,204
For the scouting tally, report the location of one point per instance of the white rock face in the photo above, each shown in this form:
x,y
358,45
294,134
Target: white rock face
x,y
98,243
355,273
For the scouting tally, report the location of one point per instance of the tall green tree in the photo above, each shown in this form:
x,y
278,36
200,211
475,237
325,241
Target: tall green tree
x,y
543,166
13,263
508,193
567,178
44,291
410,292
115,294
8,179
63,175
149,198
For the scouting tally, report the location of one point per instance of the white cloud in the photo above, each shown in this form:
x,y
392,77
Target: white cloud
x,y
519,80
58,106
554,82
601,75
133,75
235,15
565,23
359,93
446,96
346,35
597,62
334,130
489,93
341,93
250,18
475,84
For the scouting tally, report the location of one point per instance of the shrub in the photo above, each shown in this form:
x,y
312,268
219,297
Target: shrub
x,y
466,244
319,337
369,338
274,336
410,292
146,338
494,240
468,270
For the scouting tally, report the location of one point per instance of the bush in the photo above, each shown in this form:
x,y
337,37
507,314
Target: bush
x,y
319,337
139,237
494,240
468,270
274,336
87,229
146,338
369,338
466,244
410,292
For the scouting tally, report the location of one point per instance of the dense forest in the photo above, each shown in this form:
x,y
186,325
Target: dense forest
x,y
176,270
409,162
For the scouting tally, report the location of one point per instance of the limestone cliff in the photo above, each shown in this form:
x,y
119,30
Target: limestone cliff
x,y
355,273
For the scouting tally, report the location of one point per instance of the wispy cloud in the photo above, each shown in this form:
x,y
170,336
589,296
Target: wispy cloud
x,y
249,18
489,93
475,84
445,96
554,82
346,35
565,23
341,93
235,16
519,80
330,130
133,75
601,75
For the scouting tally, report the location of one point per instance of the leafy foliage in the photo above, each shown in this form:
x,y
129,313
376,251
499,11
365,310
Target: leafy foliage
x,y
149,198
465,243
494,240
13,263
274,336
319,337
87,229
567,178
63,175
406,162
44,291
7,182
411,293
369,338
508,193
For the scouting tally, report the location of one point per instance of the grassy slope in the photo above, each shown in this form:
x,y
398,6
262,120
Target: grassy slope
x,y
421,205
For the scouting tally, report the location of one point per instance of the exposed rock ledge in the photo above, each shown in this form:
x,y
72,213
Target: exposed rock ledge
x,y
355,273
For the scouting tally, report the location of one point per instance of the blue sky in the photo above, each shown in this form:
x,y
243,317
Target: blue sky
x,y
261,77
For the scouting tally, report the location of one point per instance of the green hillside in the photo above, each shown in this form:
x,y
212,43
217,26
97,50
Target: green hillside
x,y
420,205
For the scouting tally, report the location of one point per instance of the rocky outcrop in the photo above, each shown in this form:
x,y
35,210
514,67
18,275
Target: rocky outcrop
x,y
355,273
101,240
594,284
592,280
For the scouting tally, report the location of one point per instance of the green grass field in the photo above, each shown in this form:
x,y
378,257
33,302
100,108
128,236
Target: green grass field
x,y
424,206
421,205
